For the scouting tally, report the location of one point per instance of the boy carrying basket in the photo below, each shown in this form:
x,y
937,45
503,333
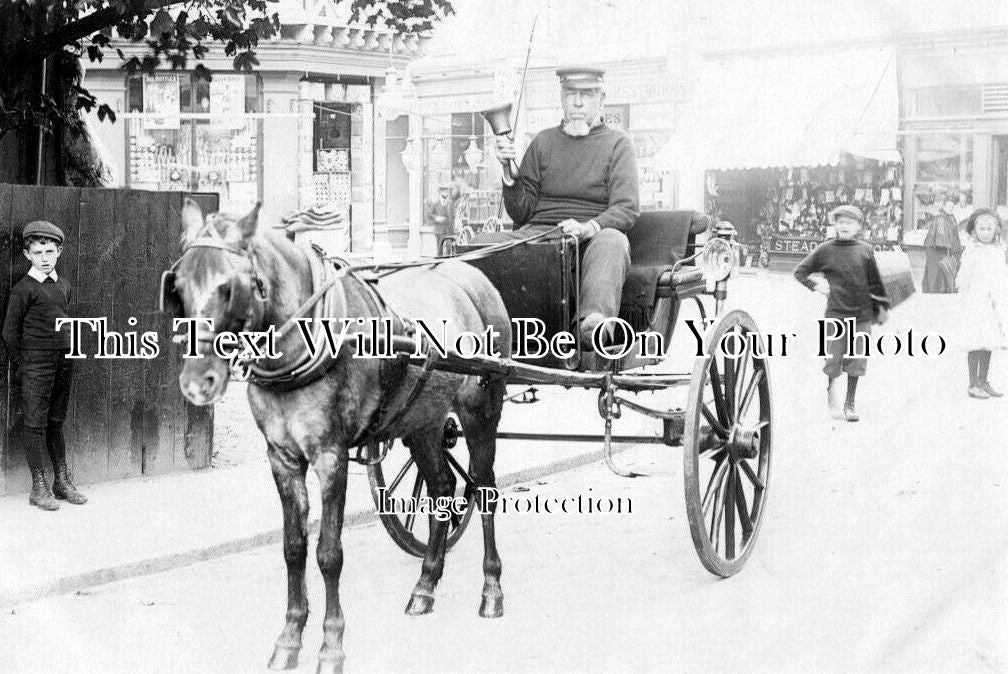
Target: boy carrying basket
x,y
847,274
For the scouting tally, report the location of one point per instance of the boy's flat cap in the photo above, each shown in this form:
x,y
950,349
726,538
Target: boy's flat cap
x,y
848,211
43,228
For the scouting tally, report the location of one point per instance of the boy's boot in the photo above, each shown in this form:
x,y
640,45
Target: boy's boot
x,y
850,411
40,494
975,391
34,448
984,367
63,486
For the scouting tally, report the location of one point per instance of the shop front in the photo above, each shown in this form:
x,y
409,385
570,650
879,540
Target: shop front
x,y
449,147
300,134
955,128
776,140
781,214
185,133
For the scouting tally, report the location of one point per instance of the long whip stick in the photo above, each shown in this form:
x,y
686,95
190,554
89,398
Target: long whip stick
x,y
521,94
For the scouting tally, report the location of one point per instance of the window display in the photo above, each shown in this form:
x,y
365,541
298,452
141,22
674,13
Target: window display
x,y
195,135
944,181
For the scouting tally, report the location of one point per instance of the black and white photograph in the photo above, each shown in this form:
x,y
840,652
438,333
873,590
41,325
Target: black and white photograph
x,y
469,336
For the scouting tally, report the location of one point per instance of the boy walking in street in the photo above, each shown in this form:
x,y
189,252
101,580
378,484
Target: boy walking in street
x,y
38,350
844,270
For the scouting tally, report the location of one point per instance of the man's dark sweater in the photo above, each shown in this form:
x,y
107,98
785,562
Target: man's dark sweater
x,y
30,324
593,176
849,266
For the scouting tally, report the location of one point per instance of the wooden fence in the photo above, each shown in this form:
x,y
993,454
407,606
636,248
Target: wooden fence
x,y
127,417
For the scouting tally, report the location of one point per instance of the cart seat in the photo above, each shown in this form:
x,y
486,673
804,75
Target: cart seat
x,y
658,240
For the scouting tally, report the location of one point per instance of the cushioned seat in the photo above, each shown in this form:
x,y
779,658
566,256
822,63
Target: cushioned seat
x,y
658,240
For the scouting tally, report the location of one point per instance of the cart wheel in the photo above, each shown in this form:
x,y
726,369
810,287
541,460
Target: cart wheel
x,y
410,531
727,445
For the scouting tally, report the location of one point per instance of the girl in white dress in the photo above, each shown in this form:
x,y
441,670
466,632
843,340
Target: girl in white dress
x,y
983,286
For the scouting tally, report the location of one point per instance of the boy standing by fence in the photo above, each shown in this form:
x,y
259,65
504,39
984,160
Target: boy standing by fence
x,y
38,350
847,274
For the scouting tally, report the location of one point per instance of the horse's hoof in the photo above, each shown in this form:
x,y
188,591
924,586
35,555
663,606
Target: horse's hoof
x,y
283,658
420,604
330,666
491,607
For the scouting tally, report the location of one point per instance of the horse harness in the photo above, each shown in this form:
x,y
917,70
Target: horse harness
x,y
248,293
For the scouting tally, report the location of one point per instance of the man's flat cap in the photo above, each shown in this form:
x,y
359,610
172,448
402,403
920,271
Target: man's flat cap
x,y
580,77
43,228
846,211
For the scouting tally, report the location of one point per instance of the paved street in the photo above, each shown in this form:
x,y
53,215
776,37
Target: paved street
x,y
883,549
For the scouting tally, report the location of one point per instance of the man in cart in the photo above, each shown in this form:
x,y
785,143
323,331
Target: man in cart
x,y
581,175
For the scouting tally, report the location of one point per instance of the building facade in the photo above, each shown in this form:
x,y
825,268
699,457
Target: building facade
x,y
954,114
300,132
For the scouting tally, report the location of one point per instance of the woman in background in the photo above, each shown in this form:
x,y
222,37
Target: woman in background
x,y
943,251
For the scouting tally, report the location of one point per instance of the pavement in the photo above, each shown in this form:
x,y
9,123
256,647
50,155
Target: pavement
x,y
147,525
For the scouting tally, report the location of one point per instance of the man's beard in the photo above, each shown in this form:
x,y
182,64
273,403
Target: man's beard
x,y
579,127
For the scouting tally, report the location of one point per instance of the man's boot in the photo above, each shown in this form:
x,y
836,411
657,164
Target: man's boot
x,y
63,487
40,494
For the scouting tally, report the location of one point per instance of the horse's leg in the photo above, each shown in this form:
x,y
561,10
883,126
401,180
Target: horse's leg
x,y
479,423
331,467
289,474
426,445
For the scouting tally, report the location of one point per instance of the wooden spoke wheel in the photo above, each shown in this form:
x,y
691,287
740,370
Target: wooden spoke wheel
x,y
727,445
410,530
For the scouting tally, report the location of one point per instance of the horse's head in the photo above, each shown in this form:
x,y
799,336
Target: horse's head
x,y
217,279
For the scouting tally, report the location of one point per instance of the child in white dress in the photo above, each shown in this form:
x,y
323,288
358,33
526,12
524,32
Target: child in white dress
x,y
982,282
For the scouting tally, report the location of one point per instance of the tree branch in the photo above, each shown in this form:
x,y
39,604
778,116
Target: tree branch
x,y
90,24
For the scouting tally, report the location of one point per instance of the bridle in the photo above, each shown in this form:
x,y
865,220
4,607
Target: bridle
x,y
247,291
247,300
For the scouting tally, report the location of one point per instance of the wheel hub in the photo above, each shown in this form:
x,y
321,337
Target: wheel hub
x,y
743,442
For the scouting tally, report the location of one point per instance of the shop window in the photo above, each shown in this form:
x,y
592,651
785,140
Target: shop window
x,y
459,156
943,179
332,159
956,101
1001,175
396,171
195,135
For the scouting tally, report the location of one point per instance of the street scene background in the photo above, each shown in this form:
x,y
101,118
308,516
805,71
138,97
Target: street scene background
x,y
883,547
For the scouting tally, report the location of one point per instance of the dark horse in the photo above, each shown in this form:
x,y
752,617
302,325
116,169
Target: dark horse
x,y
225,262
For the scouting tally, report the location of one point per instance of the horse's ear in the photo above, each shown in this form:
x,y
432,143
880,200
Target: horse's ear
x,y
247,225
192,219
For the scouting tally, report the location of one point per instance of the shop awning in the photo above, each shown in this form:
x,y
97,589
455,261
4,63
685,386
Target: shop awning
x,y
791,110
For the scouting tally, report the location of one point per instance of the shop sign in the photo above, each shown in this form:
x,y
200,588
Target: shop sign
x,y
793,246
806,246
227,101
161,99
615,116
537,120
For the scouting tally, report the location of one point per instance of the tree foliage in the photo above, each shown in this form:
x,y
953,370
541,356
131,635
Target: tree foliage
x,y
68,31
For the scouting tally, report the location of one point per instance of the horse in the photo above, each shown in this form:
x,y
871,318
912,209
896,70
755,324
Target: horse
x,y
246,280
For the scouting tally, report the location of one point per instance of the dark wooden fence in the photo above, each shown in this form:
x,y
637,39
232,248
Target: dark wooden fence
x,y
127,417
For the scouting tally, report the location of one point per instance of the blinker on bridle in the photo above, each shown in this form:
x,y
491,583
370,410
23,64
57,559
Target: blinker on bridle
x,y
247,291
